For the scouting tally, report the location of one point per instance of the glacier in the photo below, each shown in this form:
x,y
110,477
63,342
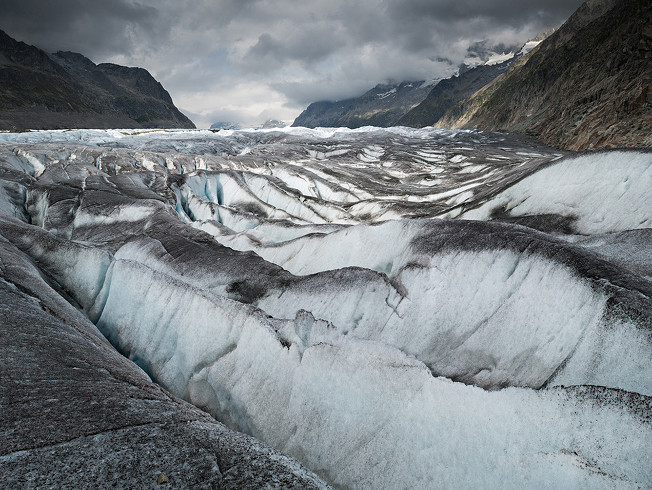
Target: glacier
x,y
392,307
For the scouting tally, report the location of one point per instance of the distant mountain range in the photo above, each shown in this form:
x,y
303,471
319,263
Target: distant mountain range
x,y
269,124
383,105
449,92
585,86
225,125
412,103
67,90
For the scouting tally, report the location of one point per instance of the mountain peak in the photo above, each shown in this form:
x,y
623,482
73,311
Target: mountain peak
x,y
68,90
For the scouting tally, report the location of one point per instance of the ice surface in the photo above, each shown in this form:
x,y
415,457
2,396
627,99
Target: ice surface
x,y
77,414
499,290
316,394
298,285
602,192
631,249
320,387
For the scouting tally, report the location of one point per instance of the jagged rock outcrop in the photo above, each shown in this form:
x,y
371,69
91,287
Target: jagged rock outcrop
x,y
586,86
67,90
382,106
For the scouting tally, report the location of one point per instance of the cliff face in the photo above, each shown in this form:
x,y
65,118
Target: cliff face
x,y
383,106
586,86
67,90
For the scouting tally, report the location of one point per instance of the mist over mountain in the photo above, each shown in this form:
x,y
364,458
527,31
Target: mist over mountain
x,y
586,86
583,86
383,106
225,125
67,90
412,103
450,91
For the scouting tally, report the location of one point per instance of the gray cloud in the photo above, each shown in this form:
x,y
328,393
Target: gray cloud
x,y
306,47
504,12
97,29
260,57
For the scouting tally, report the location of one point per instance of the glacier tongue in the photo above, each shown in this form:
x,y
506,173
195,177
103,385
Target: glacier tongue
x,y
307,292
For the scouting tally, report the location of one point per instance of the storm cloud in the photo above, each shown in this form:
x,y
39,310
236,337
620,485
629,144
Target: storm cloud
x,y
247,60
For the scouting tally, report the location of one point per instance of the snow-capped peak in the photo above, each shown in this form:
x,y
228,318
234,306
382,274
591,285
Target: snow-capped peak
x,y
496,58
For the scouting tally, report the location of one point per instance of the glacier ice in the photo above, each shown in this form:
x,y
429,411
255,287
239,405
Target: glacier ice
x,y
600,193
77,414
317,291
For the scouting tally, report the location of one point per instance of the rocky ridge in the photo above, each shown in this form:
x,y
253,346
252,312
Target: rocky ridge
x,y
67,90
382,106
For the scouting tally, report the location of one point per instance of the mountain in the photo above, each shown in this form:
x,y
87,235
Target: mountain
x,y
586,86
225,125
389,104
381,106
323,113
450,91
481,67
67,90
273,123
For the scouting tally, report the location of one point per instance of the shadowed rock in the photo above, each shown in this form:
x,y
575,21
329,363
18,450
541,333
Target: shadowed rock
x,y
67,90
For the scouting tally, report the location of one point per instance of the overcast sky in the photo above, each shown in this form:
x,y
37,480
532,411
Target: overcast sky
x,y
250,60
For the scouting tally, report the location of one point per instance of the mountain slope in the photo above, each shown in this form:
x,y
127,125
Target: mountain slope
x,y
67,90
586,86
323,113
449,92
414,103
381,106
